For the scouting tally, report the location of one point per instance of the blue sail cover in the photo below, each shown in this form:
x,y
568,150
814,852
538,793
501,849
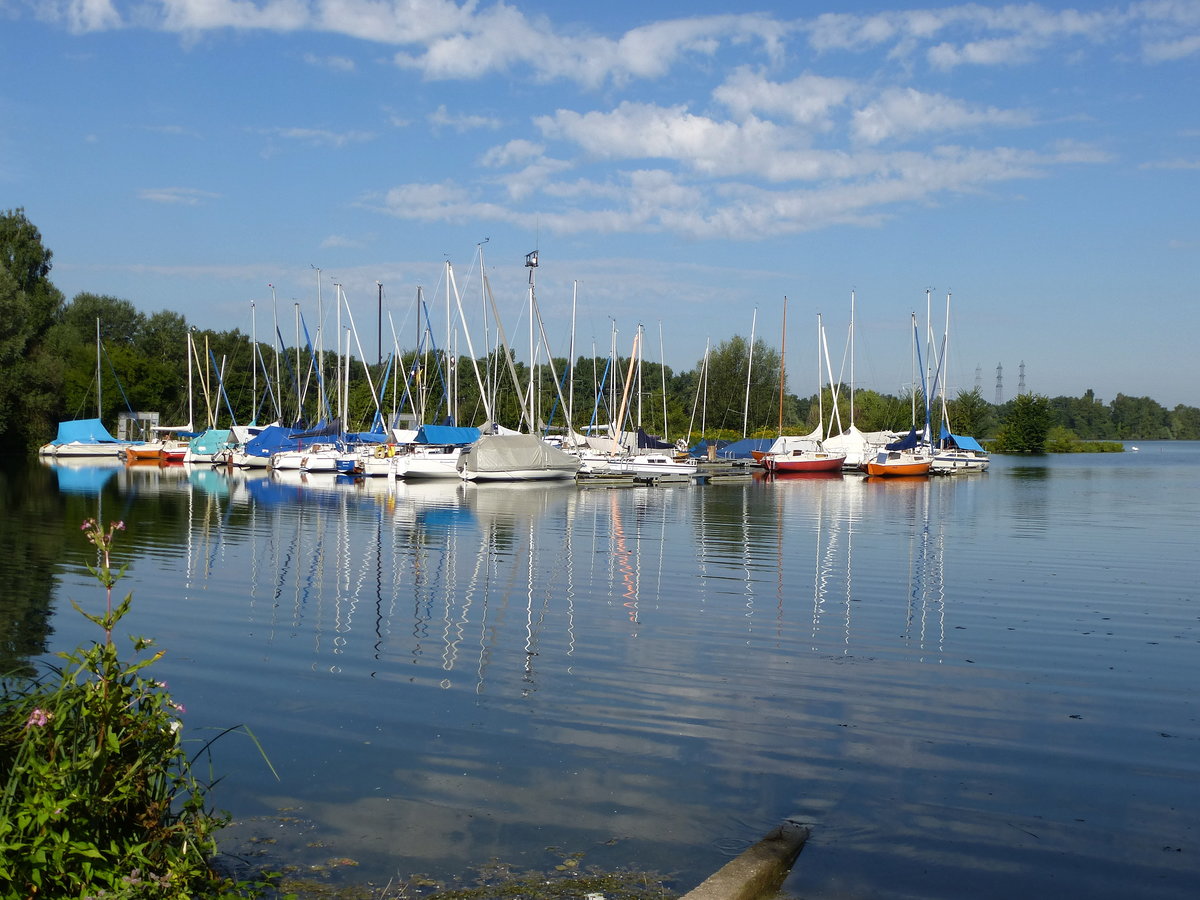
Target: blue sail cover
x,y
271,440
700,449
743,449
961,441
908,442
651,442
85,431
211,441
446,435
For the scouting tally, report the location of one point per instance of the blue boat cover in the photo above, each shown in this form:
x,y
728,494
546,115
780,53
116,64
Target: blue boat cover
x,y
209,442
86,431
270,440
742,449
651,442
447,435
962,442
700,449
367,437
910,440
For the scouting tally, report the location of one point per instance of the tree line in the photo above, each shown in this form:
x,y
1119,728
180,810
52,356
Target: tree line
x,y
53,368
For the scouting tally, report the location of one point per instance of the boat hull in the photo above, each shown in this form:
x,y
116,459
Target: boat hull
x,y
784,465
898,470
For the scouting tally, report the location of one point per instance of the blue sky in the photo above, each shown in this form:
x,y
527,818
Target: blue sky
x,y
686,166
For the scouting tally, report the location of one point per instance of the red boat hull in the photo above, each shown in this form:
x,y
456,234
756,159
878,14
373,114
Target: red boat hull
x,y
785,465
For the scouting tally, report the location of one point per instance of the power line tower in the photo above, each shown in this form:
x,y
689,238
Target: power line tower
x,y
999,383
978,379
1021,379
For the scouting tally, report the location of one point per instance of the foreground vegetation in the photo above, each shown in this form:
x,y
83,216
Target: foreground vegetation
x,y
97,795
48,373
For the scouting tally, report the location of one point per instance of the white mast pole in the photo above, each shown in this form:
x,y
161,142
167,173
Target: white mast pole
x,y
662,356
749,368
274,338
851,357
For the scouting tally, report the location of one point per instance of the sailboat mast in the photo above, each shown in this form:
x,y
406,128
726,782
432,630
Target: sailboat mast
x,y
571,368
278,382
945,363
253,366
749,368
191,402
851,357
820,380
99,380
662,356
782,362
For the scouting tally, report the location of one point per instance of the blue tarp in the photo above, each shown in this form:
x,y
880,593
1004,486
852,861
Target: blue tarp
x,y
741,449
651,442
961,441
214,440
270,440
367,437
731,449
458,436
908,442
700,450
86,431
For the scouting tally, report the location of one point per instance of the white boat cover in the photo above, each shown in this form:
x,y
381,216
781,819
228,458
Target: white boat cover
x,y
518,455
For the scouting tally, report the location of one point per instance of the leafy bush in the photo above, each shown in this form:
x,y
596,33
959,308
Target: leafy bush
x,y
97,795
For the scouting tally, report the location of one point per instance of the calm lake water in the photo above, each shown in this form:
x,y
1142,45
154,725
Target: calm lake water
x,y
977,686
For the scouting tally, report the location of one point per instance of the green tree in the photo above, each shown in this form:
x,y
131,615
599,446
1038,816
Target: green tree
x,y
120,321
970,414
1185,423
1139,418
29,303
728,364
1026,425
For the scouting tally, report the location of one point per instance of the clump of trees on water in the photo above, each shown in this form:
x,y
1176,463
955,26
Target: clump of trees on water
x,y
48,373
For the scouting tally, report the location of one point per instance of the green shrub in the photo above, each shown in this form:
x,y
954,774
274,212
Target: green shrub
x,y
97,795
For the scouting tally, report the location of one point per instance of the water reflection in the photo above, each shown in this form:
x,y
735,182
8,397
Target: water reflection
x,y
445,672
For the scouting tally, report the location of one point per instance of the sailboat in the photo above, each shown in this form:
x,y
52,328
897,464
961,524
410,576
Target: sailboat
x,y
793,455
955,452
86,437
909,456
859,446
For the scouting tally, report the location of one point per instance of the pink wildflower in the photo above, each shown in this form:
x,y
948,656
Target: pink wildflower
x,y
38,717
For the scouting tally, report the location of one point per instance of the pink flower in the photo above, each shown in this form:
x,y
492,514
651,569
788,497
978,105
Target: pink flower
x,y
38,717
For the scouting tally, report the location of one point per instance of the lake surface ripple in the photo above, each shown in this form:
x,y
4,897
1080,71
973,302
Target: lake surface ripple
x,y
977,686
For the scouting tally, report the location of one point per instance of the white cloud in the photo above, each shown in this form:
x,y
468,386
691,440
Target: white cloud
x,y
502,38
205,15
516,151
177,195
334,241
1183,165
80,16
320,137
441,202
332,63
807,100
461,123
904,112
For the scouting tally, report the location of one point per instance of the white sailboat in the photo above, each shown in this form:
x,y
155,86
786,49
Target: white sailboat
x,y
86,437
859,446
954,452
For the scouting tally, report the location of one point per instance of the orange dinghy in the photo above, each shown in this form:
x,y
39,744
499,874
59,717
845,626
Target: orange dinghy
x,y
899,463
